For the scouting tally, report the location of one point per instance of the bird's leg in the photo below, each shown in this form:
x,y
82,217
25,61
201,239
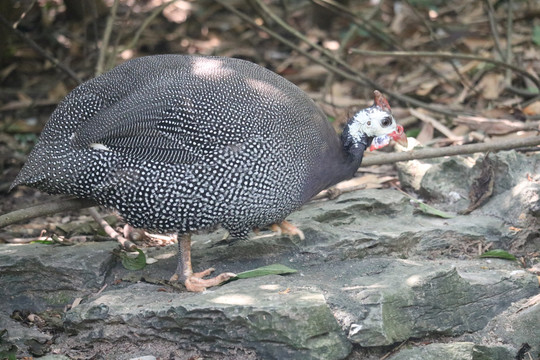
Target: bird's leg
x,y
287,228
184,273
125,243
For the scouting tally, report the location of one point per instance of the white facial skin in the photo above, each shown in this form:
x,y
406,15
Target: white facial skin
x,y
373,122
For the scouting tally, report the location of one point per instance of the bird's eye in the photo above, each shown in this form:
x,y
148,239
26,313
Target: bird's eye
x,y
387,121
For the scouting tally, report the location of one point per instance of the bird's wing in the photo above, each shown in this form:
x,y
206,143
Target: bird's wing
x,y
151,126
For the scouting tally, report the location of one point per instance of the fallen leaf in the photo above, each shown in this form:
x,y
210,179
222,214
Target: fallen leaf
x,y
429,210
532,109
426,134
492,85
499,254
134,263
275,269
482,187
76,302
495,126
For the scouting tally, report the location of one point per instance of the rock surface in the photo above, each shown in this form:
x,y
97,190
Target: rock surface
x,y
373,273
249,314
37,277
453,351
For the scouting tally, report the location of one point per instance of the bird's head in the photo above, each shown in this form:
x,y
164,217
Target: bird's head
x,y
372,127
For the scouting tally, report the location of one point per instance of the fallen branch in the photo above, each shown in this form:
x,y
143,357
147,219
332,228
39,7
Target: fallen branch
x,y
106,37
44,209
428,153
158,10
47,55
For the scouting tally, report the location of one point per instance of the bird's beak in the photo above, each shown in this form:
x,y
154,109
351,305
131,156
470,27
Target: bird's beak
x,y
399,136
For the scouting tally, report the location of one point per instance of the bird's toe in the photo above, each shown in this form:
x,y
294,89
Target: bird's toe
x,y
287,228
196,284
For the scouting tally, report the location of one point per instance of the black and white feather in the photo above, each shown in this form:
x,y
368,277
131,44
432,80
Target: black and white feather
x,y
187,143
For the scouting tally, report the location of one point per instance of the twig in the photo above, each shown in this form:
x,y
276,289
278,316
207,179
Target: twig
x,y
24,104
350,74
44,209
358,78
106,38
447,55
493,28
147,22
337,60
436,124
509,32
25,12
54,207
394,350
363,23
426,153
40,50
434,38
374,31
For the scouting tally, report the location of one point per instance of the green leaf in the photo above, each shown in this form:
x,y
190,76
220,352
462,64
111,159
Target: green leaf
x,y
426,209
136,263
429,210
44,242
8,355
412,132
536,35
274,269
499,254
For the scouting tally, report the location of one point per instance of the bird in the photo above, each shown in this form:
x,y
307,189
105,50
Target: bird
x,y
191,143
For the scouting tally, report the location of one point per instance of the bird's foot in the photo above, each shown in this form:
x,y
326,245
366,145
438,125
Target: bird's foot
x,y
287,228
196,283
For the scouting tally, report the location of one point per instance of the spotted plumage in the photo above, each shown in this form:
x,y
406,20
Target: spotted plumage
x,y
184,143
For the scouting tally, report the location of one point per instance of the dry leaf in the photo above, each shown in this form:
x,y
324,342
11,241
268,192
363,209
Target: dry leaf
x,y
436,123
482,187
426,134
492,86
532,109
495,126
505,112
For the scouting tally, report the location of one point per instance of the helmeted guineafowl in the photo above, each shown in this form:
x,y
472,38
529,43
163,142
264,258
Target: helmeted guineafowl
x,y
186,143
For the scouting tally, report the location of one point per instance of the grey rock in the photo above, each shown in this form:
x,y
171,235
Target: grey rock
x,y
517,325
37,277
384,222
453,351
381,301
448,180
248,314
439,179
20,339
